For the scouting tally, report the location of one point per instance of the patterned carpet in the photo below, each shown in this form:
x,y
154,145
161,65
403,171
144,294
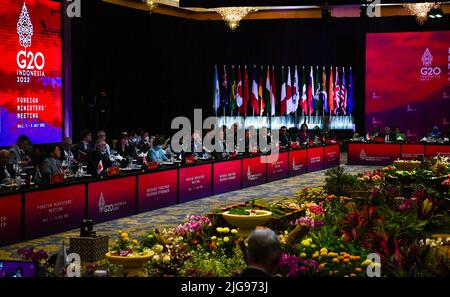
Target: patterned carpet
x,y
137,225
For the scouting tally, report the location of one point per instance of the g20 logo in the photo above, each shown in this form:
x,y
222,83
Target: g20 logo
x,y
430,71
30,61
109,208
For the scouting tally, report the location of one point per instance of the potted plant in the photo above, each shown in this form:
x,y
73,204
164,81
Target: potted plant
x,y
126,253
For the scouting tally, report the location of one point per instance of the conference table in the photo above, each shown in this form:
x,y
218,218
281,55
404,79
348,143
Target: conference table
x,y
361,153
29,213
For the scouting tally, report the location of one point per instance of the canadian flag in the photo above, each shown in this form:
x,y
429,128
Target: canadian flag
x,y
100,167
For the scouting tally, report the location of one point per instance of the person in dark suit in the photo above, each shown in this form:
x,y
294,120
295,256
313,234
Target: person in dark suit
x,y
144,145
196,144
303,135
19,153
6,169
85,145
99,155
263,254
284,137
123,147
220,152
388,135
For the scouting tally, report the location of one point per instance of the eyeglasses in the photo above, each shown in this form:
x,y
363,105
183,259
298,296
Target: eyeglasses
x,y
102,135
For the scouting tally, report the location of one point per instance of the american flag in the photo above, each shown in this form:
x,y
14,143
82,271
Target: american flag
x,y
337,93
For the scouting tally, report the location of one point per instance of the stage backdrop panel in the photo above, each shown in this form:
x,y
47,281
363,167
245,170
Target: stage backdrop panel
x,y
157,189
195,182
111,199
298,162
434,150
10,219
30,71
227,176
315,159
407,81
412,151
373,154
278,169
332,156
54,210
253,172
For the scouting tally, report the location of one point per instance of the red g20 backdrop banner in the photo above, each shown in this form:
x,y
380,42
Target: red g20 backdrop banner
x,y
253,172
111,199
436,149
227,176
30,71
279,168
54,210
373,154
421,99
157,190
195,182
315,158
10,219
297,162
412,151
331,155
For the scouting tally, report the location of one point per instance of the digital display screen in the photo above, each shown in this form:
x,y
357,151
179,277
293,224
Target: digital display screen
x,y
195,182
10,219
54,210
227,176
30,71
408,82
17,269
111,199
157,190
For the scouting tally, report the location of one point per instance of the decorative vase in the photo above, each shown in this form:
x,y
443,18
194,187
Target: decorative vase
x,y
444,249
133,266
247,223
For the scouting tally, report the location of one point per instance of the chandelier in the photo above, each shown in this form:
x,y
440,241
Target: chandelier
x,y
233,15
420,10
152,4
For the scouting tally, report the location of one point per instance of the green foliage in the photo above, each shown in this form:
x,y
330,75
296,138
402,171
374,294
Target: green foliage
x,y
338,182
204,263
239,211
405,225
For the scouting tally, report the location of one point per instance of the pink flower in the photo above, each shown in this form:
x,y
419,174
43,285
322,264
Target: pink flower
x,y
316,209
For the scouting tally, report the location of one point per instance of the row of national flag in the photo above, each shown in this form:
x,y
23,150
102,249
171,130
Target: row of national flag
x,y
310,90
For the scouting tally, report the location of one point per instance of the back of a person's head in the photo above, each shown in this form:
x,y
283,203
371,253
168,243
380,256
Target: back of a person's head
x,y
22,138
84,133
263,248
158,141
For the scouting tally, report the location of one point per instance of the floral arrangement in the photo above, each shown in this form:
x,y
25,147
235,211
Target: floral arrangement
x,y
124,246
29,254
330,234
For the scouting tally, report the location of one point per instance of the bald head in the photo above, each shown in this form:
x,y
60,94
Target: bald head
x,y
263,249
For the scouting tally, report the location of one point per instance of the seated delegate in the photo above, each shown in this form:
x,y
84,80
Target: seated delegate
x,y
156,152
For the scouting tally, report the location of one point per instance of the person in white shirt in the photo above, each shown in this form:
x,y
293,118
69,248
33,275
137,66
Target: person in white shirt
x,y
67,153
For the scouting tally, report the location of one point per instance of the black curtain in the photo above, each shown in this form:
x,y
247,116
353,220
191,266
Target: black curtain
x,y
153,68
